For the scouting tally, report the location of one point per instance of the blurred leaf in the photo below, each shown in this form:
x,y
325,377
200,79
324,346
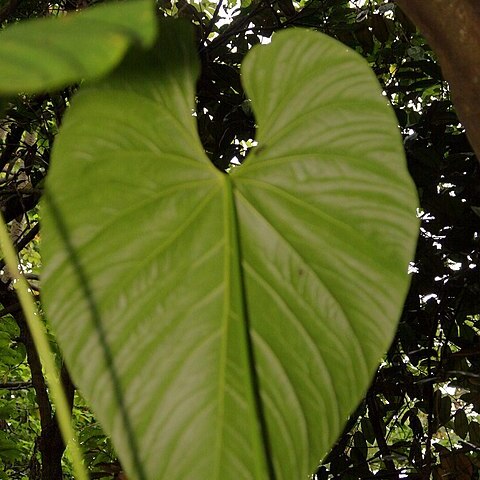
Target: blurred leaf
x,y
49,53
8,447
7,409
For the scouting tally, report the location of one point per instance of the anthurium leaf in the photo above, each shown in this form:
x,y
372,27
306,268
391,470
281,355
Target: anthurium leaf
x,y
43,54
224,326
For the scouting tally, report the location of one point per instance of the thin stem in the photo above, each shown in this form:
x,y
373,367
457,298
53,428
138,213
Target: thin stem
x,y
39,336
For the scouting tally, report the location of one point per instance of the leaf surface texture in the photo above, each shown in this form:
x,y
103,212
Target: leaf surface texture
x,y
225,326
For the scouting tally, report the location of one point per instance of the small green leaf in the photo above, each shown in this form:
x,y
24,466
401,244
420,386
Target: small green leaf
x,y
225,326
7,410
444,409
45,54
5,339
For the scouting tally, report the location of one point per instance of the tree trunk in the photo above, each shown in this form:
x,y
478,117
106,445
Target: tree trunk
x,y
50,442
451,27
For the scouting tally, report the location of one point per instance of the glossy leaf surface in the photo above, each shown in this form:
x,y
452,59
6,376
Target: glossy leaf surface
x,y
224,326
43,54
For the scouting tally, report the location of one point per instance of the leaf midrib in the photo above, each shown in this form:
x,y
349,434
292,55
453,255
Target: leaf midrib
x,y
232,261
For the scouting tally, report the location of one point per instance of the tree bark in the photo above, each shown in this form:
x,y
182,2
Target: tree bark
x,y
50,442
451,27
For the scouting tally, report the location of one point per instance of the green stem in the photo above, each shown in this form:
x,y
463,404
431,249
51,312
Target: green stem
x,y
39,335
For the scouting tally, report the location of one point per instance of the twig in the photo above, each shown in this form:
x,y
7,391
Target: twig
x,y
211,24
381,441
234,29
15,385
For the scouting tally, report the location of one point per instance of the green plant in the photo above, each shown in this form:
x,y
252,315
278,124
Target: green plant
x,y
252,308
41,341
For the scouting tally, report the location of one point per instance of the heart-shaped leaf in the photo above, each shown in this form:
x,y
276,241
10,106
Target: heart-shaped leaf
x,y
43,54
224,326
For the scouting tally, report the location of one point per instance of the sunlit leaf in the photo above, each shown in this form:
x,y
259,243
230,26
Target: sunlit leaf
x,y
43,54
224,326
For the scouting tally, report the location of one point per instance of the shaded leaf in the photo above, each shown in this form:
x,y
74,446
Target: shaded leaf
x,y
9,450
286,6
474,432
360,444
415,424
455,465
365,37
379,28
444,409
367,430
460,424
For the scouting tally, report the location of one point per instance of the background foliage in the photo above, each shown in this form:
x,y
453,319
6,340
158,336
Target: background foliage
x,y
420,416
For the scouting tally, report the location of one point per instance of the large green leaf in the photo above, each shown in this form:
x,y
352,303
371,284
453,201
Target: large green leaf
x,y
224,326
43,54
